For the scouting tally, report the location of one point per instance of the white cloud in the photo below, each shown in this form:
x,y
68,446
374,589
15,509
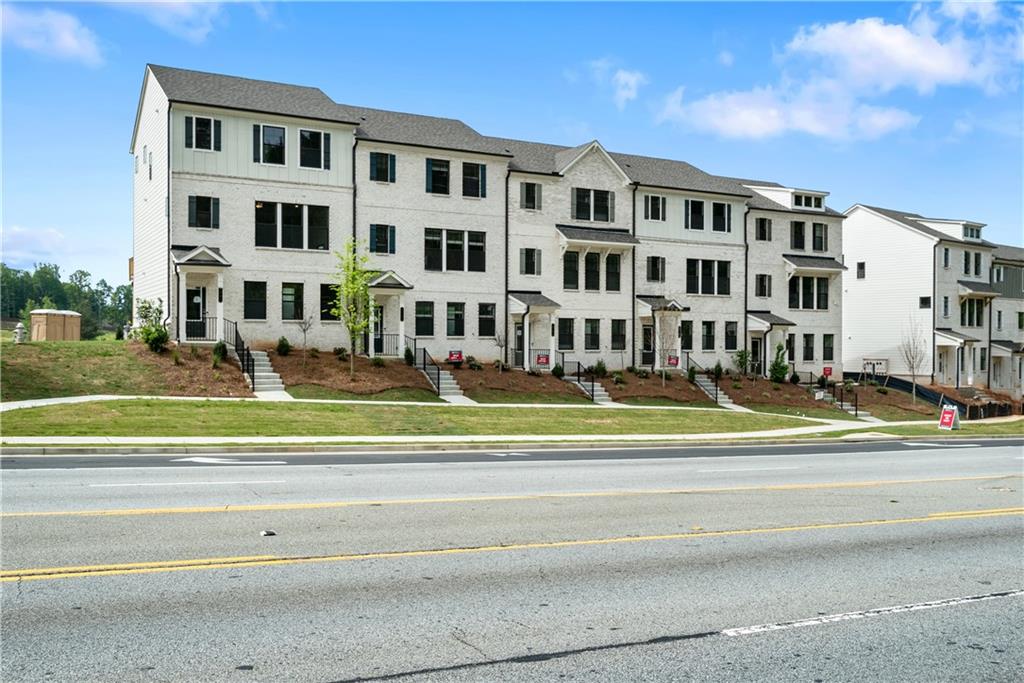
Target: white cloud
x,y
189,20
726,58
627,86
23,247
978,11
51,33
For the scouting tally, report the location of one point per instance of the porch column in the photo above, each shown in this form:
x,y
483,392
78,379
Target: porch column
x,y
679,342
401,322
220,306
554,340
369,331
181,305
657,339
970,365
526,340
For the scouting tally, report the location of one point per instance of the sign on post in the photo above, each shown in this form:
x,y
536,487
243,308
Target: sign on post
x,y
949,418
543,359
673,361
827,371
455,356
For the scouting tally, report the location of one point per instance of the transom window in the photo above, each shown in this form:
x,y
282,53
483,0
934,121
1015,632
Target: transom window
x,y
314,149
268,144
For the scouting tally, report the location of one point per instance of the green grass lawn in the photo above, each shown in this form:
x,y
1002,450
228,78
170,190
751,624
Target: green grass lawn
x,y
250,418
397,394
931,428
73,368
897,414
799,411
502,396
662,401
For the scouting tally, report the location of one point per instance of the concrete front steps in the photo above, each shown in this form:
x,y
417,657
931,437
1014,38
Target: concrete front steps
x,y
449,387
600,395
264,378
707,385
861,413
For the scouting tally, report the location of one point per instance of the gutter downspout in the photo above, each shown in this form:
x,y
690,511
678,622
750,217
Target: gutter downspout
x,y
355,176
632,298
988,353
167,209
746,278
935,290
508,175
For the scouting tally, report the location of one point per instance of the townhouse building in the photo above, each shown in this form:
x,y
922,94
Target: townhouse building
x,y
1007,322
536,253
932,279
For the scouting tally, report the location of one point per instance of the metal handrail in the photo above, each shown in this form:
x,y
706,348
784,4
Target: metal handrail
x,y
410,343
432,370
584,378
245,358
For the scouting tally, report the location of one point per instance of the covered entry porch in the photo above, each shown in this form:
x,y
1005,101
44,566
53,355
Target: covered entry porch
x,y
661,345
534,340
765,331
199,310
386,336
954,358
1007,367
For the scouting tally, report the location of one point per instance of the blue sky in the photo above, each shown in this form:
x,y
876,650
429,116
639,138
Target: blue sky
x,y
915,107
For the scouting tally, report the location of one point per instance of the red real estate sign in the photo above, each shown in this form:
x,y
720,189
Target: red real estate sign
x,y
827,371
455,356
949,418
673,361
543,359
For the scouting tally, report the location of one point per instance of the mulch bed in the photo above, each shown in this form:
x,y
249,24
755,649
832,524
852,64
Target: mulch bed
x,y
195,375
324,369
513,381
759,390
678,388
869,396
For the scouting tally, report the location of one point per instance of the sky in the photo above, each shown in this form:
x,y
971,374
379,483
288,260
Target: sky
x,y
916,107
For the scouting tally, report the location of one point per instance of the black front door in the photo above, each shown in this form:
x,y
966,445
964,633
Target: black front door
x,y
378,330
195,307
647,352
755,356
517,347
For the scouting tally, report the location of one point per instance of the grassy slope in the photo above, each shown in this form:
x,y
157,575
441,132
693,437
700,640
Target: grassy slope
x,y
231,418
662,401
931,428
398,394
801,411
502,396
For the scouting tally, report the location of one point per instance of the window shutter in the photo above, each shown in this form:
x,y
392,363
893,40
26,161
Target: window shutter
x,y
572,203
686,213
327,151
647,207
430,169
256,142
537,196
373,237
483,180
611,207
661,273
391,168
522,262
769,229
537,261
215,212
188,132
191,211
522,195
391,239
728,217
216,135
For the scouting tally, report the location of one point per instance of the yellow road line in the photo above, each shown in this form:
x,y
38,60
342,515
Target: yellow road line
x,y
264,561
277,507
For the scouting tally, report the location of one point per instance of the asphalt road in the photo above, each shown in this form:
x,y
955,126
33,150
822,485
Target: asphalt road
x,y
867,562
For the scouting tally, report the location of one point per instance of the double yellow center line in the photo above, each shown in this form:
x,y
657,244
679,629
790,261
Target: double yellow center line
x,y
273,560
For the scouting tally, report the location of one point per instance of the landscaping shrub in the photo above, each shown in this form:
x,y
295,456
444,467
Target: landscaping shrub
x,y
377,362
558,371
617,379
737,385
151,329
741,359
220,352
341,352
717,371
175,356
410,358
643,373
284,347
691,374
776,387
882,390
794,378
822,382
779,368
631,369
600,370
872,383
193,352
314,352
154,337
665,375
848,385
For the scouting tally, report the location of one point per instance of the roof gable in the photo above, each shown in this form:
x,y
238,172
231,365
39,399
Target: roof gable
x,y
566,159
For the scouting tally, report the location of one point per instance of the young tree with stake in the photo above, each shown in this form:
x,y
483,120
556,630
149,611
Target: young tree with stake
x,y
914,351
352,296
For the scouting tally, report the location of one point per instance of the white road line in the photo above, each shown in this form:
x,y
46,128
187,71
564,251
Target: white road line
x,y
751,469
880,611
189,483
924,444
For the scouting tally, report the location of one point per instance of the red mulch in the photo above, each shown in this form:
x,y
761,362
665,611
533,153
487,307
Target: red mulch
x,y
517,381
195,375
324,369
677,388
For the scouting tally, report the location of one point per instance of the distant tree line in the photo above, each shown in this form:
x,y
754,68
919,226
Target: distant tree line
x,y
103,307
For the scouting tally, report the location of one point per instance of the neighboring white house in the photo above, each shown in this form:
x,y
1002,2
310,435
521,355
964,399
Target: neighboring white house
x,y
930,278
244,189
1007,368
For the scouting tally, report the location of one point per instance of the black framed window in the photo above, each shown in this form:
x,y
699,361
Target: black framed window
x,y
456,320
433,258
692,276
791,347
581,210
819,237
266,224
967,263
455,249
566,334
382,167
254,295
474,180
861,270
618,335
328,300
318,227
730,336
476,247
686,335
424,318
291,226
807,291
796,234
794,292
311,149
808,347
721,217
707,277
707,337
763,229
529,196
977,264
654,207
828,347
485,320
723,284
602,206
613,272
694,214
571,270
762,285
203,132
655,268
272,145
382,239
203,212
291,301
945,257
529,261
592,271
822,287
438,176
591,334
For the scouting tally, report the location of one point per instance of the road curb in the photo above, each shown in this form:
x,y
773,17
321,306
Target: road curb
x,y
379,448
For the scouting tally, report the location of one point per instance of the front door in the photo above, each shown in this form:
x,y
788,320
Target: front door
x,y
756,351
378,329
647,352
195,310
517,347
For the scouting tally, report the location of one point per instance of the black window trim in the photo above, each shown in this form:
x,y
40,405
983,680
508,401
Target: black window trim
x,y
284,142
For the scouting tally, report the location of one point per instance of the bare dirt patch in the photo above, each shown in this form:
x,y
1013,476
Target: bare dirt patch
x,y
324,369
677,389
514,386
194,375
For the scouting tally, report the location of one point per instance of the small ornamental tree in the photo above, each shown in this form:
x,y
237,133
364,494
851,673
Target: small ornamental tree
x,y
779,369
352,295
914,351
499,341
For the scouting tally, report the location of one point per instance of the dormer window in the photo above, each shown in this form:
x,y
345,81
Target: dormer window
x,y
972,233
807,201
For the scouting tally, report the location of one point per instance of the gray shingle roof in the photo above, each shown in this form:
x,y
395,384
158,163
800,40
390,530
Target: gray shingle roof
x,y
1009,345
596,235
661,303
978,287
759,201
1007,252
912,220
232,92
771,318
815,262
955,335
533,299
415,129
